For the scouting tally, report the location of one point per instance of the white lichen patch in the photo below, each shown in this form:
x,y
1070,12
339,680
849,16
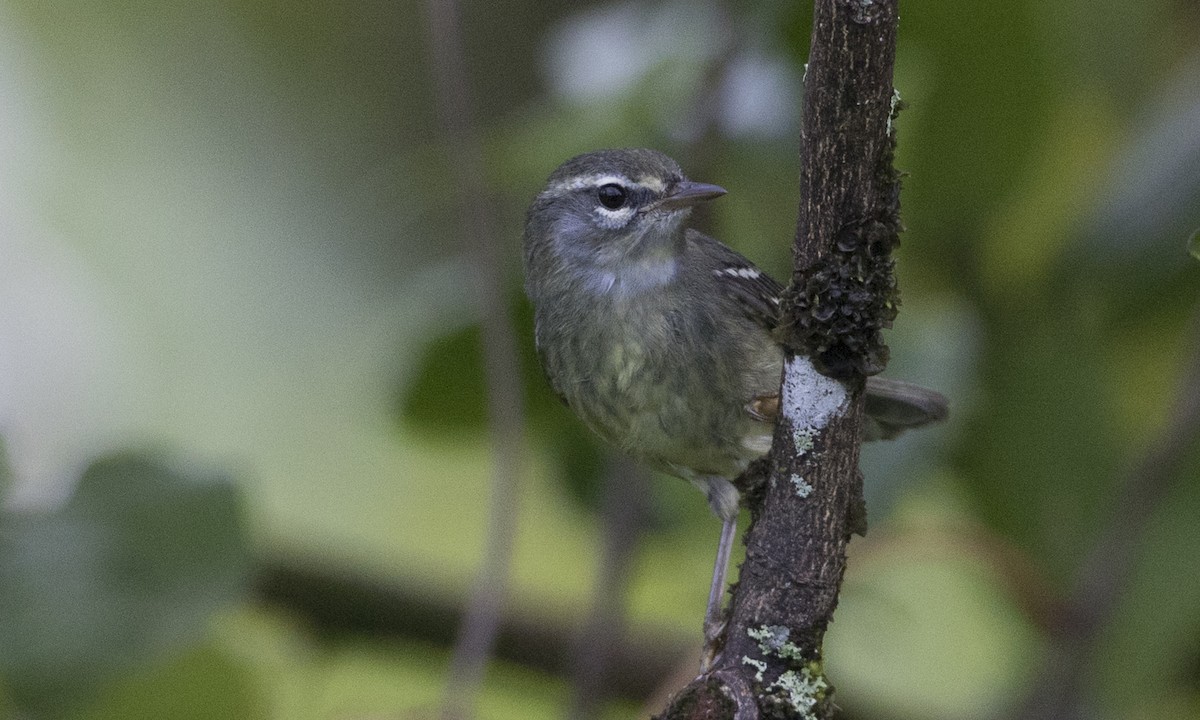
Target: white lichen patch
x,y
803,688
759,665
803,489
773,640
769,637
809,398
892,110
803,440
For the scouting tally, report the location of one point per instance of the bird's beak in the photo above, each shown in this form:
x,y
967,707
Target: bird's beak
x,y
688,193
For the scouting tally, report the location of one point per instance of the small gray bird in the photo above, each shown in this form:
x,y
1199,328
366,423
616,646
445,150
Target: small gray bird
x,y
659,337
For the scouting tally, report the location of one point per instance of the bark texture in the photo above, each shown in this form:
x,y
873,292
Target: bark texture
x,y
842,295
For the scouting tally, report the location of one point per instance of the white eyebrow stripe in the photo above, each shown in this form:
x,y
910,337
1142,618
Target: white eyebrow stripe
x,y
653,183
597,180
588,181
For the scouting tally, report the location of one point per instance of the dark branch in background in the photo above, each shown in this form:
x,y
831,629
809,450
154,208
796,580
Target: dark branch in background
x,y
336,604
1105,573
500,359
624,516
702,119
842,295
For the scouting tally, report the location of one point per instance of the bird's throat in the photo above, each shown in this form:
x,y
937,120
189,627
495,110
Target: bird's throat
x,y
635,276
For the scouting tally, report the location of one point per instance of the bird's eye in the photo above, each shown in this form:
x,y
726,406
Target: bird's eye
x,y
612,196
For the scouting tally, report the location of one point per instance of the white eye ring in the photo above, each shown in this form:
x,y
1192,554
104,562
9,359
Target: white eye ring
x,y
613,219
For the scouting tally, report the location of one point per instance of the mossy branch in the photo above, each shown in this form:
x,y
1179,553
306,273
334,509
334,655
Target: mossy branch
x,y
843,294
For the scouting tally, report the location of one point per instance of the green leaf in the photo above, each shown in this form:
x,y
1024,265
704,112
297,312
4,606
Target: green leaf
x,y
1194,244
128,570
448,393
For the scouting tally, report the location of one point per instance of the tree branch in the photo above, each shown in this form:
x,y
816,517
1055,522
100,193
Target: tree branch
x,y
500,359
336,602
624,516
842,295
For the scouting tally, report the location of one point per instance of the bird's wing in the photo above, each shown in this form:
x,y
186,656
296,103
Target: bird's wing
x,y
755,291
892,406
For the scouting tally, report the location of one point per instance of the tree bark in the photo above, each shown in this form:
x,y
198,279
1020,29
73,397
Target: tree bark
x,y
842,295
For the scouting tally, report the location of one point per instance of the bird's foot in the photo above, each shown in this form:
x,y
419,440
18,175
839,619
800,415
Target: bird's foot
x,y
714,642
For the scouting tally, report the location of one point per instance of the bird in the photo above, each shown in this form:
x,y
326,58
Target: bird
x,y
659,337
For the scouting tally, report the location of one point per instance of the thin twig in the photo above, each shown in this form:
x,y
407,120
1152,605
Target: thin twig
x,y
500,359
335,602
624,516
701,121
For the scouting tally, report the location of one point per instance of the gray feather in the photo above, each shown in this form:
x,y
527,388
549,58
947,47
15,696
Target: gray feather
x,y
894,406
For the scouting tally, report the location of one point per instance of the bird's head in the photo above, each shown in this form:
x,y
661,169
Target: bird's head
x,y
614,215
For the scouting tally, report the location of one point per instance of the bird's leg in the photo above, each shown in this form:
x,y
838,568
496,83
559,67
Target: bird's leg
x,y
713,623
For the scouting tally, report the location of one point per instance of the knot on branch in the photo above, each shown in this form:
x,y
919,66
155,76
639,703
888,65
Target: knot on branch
x,y
848,297
720,695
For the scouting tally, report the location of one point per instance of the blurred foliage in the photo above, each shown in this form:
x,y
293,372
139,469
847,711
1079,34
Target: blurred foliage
x,y
127,571
5,470
974,646
203,683
227,230
447,398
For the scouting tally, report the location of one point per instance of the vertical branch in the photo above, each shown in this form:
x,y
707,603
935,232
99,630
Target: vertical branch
x,y
624,516
842,295
477,634
700,122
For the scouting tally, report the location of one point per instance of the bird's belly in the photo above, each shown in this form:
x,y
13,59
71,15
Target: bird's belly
x,y
659,403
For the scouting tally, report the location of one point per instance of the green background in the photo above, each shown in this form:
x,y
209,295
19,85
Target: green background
x,y
237,330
